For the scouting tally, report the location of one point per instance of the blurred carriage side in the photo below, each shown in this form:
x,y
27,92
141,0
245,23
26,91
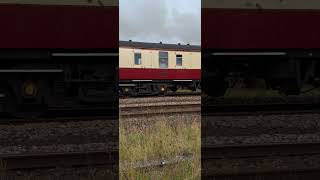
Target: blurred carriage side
x,y
157,68
58,54
273,40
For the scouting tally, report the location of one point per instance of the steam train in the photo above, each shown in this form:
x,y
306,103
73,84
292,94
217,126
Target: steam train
x,y
277,41
58,55
157,68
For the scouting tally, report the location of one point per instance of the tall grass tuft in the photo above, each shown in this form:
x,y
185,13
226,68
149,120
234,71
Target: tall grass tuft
x,y
145,140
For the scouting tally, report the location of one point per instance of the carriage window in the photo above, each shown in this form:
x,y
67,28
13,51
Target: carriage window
x,y
179,60
163,59
137,58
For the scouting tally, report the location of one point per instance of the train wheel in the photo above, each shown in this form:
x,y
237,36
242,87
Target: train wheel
x,y
130,91
14,109
163,90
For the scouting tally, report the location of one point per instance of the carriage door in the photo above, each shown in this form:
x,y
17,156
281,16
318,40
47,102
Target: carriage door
x,y
163,65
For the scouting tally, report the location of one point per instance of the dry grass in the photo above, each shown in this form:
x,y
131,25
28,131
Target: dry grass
x,y
160,137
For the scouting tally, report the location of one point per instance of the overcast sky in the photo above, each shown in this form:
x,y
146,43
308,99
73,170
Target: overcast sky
x,y
169,21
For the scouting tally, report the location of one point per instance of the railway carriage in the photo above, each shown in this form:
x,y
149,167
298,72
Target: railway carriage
x,y
276,40
156,68
58,55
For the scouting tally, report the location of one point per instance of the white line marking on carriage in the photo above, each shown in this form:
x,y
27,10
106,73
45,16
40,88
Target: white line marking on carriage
x,y
125,85
64,2
249,54
84,54
141,80
183,80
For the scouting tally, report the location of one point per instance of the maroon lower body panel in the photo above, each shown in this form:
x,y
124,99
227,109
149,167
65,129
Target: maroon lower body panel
x,y
159,74
260,29
49,26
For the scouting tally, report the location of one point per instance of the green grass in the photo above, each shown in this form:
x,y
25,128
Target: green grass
x,y
157,138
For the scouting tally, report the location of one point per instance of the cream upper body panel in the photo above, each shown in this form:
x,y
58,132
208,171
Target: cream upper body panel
x,y
262,4
196,60
64,2
150,59
125,57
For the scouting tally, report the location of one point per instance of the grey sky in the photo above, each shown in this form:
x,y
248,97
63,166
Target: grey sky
x,y
169,21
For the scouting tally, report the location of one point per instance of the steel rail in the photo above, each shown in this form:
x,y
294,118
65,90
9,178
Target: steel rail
x,y
260,159
155,110
63,116
55,160
163,95
259,150
259,109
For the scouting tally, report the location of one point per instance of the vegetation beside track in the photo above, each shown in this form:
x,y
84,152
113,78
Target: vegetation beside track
x,y
161,137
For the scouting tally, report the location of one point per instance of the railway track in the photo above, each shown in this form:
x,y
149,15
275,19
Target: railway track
x,y
58,115
149,104
259,150
156,107
170,99
159,109
280,175
260,160
293,159
60,165
259,109
56,160
170,94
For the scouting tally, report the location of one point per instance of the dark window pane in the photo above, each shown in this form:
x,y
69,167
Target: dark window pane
x,y
163,59
137,58
179,60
